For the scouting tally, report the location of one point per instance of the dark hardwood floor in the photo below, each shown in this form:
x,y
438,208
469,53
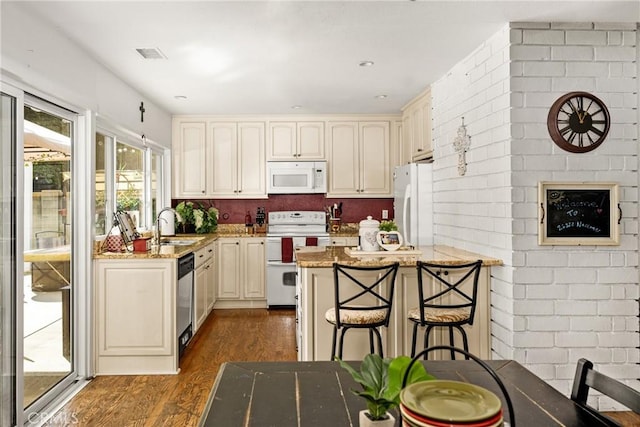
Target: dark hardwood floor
x,y
179,400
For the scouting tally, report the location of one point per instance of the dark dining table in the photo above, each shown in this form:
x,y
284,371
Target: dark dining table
x,y
310,394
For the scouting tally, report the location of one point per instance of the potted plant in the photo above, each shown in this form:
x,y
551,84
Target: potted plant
x,y
196,219
381,381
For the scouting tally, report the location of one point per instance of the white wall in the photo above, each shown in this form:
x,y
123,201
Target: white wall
x,y
40,57
550,304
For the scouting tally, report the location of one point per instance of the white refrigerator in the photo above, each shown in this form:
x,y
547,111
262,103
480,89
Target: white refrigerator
x,y
413,203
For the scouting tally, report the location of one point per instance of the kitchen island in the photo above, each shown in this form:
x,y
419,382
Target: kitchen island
x,y
316,295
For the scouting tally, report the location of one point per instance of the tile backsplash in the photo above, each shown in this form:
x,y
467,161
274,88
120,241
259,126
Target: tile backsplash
x,y
233,211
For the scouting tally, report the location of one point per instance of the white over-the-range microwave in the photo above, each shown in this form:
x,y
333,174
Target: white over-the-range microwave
x,y
297,177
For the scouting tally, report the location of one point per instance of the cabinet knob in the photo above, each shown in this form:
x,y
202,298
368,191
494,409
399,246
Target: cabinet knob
x,y
419,150
239,191
237,243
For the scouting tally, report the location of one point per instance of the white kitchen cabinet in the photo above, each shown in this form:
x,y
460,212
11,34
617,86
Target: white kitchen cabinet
x,y
236,157
204,285
241,273
189,161
359,159
296,141
345,241
211,277
416,121
135,329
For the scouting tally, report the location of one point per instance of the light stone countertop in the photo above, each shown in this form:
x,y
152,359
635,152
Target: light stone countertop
x,y
170,251
323,257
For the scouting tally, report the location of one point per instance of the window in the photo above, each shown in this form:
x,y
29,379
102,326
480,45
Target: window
x,y
129,177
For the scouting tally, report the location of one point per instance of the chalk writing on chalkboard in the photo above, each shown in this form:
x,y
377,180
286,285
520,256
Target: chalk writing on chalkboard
x,y
578,213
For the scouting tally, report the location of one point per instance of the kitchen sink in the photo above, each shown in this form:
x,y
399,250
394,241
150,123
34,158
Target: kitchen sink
x,y
179,242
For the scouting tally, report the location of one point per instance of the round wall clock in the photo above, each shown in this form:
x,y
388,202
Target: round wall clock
x,y
578,122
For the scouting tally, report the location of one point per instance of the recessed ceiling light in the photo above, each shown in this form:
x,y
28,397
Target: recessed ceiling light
x,y
296,107
151,53
380,96
366,63
180,97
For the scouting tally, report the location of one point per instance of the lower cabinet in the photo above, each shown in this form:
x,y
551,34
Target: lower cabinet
x,y
204,285
241,273
135,331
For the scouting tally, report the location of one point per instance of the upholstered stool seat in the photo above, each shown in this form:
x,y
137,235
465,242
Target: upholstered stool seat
x,y
442,315
356,316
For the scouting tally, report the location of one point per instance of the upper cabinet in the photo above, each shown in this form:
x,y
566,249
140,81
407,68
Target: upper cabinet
x,y
359,159
215,159
295,141
237,159
189,162
416,124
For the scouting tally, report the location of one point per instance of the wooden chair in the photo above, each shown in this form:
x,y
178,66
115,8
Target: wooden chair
x,y
359,304
448,304
587,378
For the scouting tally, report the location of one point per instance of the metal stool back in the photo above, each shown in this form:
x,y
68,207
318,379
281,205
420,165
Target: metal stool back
x,y
360,304
450,303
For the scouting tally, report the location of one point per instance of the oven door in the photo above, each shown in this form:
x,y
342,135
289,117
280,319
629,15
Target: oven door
x,y
281,276
281,284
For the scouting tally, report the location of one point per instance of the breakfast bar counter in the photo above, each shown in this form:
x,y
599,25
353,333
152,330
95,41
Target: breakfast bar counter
x,y
315,292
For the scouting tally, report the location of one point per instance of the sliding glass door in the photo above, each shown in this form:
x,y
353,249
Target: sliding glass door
x,y
48,286
38,307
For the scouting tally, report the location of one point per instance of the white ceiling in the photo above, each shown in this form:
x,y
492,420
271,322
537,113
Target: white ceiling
x,y
264,57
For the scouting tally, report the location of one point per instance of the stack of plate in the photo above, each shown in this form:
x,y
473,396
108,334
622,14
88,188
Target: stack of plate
x,y
449,404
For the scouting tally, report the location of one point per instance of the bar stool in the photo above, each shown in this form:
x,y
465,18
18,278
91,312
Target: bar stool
x,y
448,304
360,304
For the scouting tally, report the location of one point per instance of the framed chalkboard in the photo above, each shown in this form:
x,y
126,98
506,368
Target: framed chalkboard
x,y
578,213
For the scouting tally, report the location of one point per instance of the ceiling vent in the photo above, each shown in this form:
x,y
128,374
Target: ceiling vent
x,y
151,53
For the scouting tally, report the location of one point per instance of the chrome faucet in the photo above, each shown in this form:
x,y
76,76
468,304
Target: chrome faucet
x,y
158,234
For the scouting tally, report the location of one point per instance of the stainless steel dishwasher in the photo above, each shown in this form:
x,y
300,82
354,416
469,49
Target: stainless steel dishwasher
x,y
184,310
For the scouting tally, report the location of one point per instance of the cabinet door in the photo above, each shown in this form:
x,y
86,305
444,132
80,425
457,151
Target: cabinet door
x,y
199,298
344,175
422,128
189,161
310,140
253,256
211,278
375,159
282,141
222,159
135,310
228,261
251,160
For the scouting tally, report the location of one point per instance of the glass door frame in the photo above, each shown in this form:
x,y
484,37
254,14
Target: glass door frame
x,y
12,311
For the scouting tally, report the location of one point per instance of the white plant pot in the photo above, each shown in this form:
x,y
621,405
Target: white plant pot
x,y
366,422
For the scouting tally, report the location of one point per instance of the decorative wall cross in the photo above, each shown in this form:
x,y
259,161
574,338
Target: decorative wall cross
x,y
461,144
142,110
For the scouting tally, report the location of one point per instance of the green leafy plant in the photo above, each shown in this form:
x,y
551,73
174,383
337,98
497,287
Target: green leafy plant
x,y
389,225
204,220
381,381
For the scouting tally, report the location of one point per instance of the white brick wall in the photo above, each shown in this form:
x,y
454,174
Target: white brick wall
x,y
551,305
